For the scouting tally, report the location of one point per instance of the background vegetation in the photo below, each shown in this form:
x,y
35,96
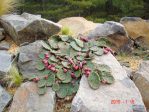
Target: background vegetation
x,y
96,10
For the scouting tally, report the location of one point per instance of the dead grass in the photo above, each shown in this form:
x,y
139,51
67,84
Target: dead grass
x,y
133,61
13,47
64,105
7,5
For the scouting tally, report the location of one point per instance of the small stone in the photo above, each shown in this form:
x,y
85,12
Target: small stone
x,y
4,45
5,63
4,99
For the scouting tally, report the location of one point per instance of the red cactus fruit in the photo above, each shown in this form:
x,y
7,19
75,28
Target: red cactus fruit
x,y
36,79
87,73
70,61
76,67
53,69
73,75
80,65
49,67
46,77
84,62
84,39
46,65
46,56
87,69
45,61
110,50
104,81
65,70
105,51
52,65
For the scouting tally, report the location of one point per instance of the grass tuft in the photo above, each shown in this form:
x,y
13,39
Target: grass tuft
x,y
14,78
7,5
66,31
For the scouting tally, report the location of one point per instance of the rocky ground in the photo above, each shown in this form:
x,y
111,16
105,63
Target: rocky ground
x,y
129,92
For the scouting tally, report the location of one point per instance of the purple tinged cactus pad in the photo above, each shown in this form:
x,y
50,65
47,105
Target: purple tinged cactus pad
x,y
79,43
68,78
60,74
65,64
53,58
94,80
53,43
62,92
46,46
99,52
42,91
75,46
41,56
94,48
55,87
65,38
42,83
51,80
40,66
107,77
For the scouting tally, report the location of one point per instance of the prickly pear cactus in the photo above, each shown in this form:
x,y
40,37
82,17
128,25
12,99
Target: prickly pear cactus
x,y
65,60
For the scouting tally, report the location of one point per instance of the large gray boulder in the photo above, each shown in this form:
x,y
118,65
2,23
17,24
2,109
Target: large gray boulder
x,y
4,99
141,79
27,99
121,96
6,60
115,33
28,28
28,58
108,28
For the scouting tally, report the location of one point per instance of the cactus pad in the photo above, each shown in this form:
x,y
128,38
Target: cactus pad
x,y
62,92
51,80
94,80
41,83
75,46
42,91
55,87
